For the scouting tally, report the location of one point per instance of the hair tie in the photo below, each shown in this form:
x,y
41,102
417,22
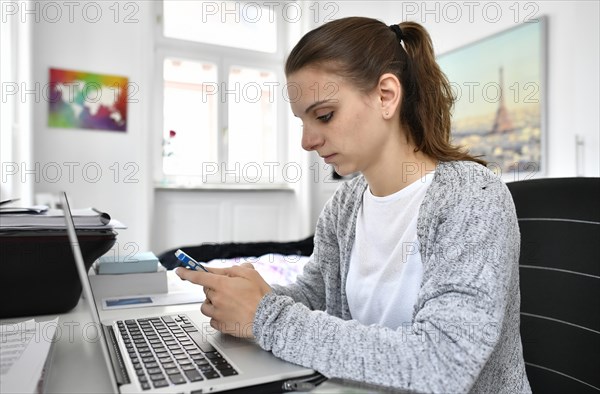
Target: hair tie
x,y
398,31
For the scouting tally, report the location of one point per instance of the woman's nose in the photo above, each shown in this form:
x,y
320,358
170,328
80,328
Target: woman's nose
x,y
310,139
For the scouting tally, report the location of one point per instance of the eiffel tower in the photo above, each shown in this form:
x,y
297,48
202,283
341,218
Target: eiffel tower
x,y
502,123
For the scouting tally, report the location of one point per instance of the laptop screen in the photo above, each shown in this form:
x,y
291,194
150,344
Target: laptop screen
x,y
87,289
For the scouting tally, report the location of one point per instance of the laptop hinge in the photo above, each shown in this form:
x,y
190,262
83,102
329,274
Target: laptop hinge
x,y
116,359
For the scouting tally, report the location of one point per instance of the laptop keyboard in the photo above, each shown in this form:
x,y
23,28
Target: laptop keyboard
x,y
169,350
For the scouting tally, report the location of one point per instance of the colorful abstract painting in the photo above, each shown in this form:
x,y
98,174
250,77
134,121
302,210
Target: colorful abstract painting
x,y
84,100
498,113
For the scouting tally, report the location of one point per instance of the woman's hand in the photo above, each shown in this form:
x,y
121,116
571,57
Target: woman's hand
x,y
232,296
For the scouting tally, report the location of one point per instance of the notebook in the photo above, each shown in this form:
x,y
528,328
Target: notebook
x,y
179,353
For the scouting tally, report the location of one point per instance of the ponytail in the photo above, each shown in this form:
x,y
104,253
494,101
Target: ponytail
x,y
428,99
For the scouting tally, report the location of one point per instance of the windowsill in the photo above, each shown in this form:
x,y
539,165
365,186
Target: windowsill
x,y
211,187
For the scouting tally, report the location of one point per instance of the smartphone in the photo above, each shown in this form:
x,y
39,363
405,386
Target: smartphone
x,y
189,262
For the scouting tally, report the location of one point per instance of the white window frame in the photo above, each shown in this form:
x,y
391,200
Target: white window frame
x,y
8,60
223,57
16,113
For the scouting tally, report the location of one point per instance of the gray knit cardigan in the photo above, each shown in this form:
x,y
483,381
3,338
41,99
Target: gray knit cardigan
x,y
464,335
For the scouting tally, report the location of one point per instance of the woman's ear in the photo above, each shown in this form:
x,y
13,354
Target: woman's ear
x,y
390,93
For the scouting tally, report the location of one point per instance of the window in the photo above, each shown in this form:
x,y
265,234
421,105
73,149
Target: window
x,y
190,116
7,105
236,24
220,67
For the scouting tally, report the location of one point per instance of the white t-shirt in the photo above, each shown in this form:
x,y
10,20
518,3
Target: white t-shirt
x,y
385,270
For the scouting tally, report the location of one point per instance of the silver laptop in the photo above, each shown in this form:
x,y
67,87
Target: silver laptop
x,y
179,353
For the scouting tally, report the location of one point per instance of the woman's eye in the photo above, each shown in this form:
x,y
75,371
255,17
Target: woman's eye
x,y
325,118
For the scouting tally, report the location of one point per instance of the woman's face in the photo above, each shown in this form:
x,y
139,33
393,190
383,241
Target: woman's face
x,y
344,125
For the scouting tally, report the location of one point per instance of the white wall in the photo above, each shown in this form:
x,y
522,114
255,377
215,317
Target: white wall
x,y
163,219
193,217
90,41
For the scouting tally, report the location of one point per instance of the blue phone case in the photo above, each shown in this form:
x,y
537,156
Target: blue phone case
x,y
189,262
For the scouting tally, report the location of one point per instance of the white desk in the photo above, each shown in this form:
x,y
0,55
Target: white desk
x,y
78,365
77,362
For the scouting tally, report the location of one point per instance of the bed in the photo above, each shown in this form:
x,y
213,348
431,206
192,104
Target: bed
x,y
278,262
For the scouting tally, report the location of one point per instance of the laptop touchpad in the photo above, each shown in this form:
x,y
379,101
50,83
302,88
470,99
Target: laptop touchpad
x,y
227,341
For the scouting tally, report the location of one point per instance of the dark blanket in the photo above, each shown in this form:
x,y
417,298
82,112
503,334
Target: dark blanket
x,y
210,251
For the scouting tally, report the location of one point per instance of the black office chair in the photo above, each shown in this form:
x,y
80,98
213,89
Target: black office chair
x,y
560,282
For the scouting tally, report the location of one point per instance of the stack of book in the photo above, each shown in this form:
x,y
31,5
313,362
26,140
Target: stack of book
x,y
41,217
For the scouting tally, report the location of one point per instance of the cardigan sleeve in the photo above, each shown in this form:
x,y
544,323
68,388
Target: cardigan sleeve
x,y
310,287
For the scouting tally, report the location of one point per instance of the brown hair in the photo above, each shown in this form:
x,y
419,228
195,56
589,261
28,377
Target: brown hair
x,y
362,49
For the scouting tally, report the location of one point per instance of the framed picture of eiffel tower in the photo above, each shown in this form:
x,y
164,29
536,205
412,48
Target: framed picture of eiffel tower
x,y
499,88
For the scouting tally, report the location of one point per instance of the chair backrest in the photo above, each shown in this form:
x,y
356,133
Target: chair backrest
x,y
559,219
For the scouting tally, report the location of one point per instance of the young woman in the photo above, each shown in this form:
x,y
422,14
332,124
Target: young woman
x,y
414,281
